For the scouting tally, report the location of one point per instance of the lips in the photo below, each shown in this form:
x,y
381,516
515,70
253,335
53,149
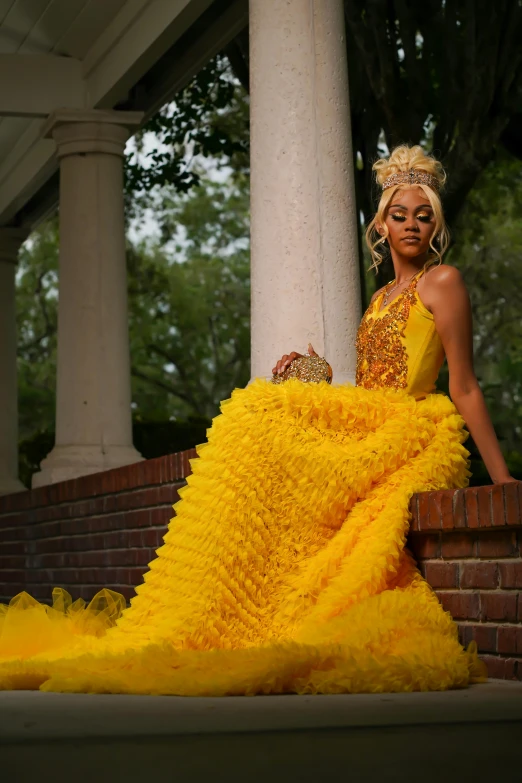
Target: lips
x,y
410,239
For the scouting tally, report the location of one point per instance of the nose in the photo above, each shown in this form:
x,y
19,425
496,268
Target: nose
x,y
411,224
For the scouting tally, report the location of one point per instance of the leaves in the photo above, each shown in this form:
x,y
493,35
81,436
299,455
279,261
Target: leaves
x,y
209,118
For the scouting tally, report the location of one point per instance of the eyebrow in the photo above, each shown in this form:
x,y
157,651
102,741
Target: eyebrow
x,y
421,206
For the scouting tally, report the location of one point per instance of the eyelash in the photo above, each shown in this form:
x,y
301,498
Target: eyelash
x,y
401,218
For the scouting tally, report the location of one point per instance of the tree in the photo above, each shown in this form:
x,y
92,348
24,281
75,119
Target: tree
x,y
443,73
488,254
190,304
36,302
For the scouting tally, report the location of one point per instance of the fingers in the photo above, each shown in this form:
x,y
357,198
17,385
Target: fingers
x,y
287,359
284,362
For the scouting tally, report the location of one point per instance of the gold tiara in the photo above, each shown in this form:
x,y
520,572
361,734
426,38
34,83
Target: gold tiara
x,y
411,177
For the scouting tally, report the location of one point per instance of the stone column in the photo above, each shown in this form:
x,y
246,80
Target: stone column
x,y
10,241
93,399
305,278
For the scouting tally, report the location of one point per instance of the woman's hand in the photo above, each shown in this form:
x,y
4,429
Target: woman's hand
x,y
287,359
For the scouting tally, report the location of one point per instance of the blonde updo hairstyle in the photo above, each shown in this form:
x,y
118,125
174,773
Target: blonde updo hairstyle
x,y
402,159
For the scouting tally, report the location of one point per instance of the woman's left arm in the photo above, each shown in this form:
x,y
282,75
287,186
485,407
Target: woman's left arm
x,y
450,304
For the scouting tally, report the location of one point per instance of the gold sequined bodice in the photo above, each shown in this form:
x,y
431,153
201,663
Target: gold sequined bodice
x,y
399,347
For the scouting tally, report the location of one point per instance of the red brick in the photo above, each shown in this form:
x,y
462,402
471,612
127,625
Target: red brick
x,y
446,510
168,494
153,537
423,510
459,509
484,635
107,522
434,511
498,606
12,548
12,520
186,470
160,516
471,504
498,506
496,666
484,506
12,561
519,488
479,574
511,574
53,560
137,518
503,667
511,503
11,575
12,534
440,574
461,606
135,537
497,544
458,544
510,639
126,591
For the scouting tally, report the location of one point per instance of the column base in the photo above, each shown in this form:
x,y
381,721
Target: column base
x,y
69,462
9,485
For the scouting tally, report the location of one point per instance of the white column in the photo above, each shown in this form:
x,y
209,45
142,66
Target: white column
x,y
10,241
305,277
93,399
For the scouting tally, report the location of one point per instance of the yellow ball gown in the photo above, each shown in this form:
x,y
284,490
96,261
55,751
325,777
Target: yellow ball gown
x,y
284,569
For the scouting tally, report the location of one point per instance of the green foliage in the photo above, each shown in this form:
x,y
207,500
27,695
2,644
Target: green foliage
x,y
189,322
190,305
32,450
37,315
489,254
210,118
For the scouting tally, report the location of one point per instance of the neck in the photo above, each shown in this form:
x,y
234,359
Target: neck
x,y
405,267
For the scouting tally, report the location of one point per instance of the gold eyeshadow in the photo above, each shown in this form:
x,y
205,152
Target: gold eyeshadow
x,y
400,216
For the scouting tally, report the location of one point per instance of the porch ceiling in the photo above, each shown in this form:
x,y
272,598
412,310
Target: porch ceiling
x,y
91,54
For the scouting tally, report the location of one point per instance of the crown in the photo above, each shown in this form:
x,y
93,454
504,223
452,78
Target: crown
x,y
411,177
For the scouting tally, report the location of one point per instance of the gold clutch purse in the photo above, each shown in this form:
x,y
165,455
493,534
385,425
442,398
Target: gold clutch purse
x,y
309,369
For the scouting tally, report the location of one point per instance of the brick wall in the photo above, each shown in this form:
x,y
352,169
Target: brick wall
x,y
469,546
102,531
92,532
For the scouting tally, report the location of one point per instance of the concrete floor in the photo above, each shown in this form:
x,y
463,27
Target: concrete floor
x,y
473,734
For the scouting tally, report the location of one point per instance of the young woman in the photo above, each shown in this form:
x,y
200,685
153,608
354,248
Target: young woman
x,y
285,568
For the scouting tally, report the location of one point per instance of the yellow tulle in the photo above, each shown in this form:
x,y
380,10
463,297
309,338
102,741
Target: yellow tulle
x,y
284,569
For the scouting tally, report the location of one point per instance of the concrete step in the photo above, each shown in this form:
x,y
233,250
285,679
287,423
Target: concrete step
x,y
473,734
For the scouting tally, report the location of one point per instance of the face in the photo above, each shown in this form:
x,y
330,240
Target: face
x,y
410,222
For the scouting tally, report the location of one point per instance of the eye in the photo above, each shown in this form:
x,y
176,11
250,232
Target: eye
x,y
424,216
398,216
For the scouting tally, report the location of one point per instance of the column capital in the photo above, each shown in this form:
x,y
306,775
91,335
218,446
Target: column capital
x,y
79,131
11,238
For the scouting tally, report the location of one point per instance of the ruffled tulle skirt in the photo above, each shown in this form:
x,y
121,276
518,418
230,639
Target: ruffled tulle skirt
x,y
284,568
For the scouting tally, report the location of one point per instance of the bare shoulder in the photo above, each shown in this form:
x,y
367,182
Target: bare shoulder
x,y
442,284
442,277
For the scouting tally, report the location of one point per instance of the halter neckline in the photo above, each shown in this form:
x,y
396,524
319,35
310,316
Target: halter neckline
x,y
413,282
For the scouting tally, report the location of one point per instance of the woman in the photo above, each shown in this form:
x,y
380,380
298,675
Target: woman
x,y
285,568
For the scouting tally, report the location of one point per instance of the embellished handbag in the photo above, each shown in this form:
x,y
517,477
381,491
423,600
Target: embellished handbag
x,y
309,369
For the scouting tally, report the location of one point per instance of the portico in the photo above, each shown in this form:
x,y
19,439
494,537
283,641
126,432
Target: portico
x,y
73,89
